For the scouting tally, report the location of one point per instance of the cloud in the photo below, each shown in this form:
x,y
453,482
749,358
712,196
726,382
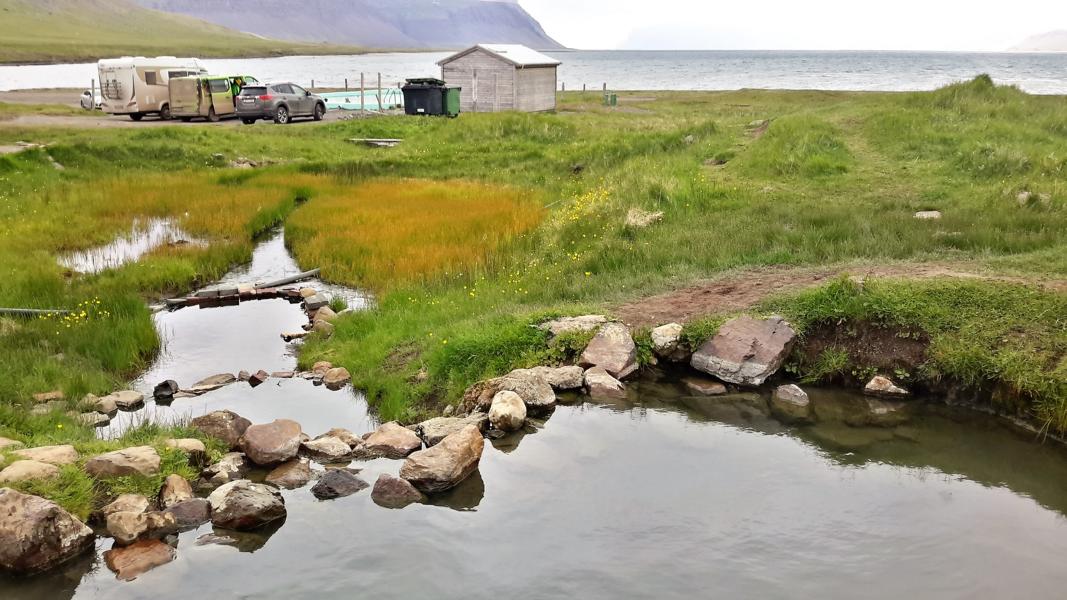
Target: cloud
x,y
788,24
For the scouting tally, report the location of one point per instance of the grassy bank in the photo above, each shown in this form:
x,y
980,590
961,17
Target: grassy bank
x,y
85,30
537,227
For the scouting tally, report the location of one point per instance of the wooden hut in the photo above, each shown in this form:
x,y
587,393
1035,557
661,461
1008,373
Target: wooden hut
x,y
497,77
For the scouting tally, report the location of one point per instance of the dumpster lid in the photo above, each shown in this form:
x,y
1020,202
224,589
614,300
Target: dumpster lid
x,y
425,81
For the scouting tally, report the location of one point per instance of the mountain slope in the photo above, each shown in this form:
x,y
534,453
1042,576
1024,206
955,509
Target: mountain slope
x,y
77,30
1052,41
373,23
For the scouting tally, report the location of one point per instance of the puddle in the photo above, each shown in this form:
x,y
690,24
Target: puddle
x,y
144,237
199,342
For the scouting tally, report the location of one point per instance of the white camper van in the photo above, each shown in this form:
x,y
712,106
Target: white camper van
x,y
136,86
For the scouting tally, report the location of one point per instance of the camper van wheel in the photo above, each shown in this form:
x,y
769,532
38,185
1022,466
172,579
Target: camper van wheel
x,y
186,119
164,112
211,116
281,115
320,112
137,116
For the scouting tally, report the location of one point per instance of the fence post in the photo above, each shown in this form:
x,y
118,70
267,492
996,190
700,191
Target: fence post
x,y
92,100
346,84
564,86
583,87
605,87
362,90
379,94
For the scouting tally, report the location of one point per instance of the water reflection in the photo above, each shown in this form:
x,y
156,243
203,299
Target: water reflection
x,y
144,237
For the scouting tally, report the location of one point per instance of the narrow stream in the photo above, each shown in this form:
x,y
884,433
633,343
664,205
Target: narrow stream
x,y
661,495
199,342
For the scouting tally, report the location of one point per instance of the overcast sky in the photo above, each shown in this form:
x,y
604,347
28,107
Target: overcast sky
x,y
797,24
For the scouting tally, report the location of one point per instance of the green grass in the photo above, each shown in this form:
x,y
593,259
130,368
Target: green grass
x,y
81,30
834,180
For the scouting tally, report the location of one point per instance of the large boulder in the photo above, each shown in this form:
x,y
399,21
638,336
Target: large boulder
x,y
613,350
139,460
36,534
54,455
336,377
224,425
667,342
746,351
791,404
242,505
191,513
271,443
175,489
26,470
434,430
883,387
392,440
327,449
447,464
290,475
560,378
394,492
580,324
337,483
136,503
128,562
128,527
126,399
599,384
535,392
507,413
231,467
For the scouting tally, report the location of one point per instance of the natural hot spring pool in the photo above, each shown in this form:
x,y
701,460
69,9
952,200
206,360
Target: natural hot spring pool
x,y
668,496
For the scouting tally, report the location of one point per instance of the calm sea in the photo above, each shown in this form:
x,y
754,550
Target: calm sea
x,y
644,70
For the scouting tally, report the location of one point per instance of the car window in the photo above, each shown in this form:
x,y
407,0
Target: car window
x,y
253,91
218,85
299,91
282,88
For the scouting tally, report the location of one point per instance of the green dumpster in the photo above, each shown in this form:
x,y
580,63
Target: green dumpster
x,y
452,101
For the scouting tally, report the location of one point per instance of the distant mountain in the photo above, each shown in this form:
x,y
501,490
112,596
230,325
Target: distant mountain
x,y
372,23
1053,41
79,30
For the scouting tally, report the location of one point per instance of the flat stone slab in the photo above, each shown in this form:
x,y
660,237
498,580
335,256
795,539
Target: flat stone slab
x,y
746,351
64,454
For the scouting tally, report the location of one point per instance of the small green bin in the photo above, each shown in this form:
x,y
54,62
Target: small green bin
x,y
452,101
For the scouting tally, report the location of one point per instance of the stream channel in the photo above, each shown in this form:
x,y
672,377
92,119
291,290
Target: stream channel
x,y
660,495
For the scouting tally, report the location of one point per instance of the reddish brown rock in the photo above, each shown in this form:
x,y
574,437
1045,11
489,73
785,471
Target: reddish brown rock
x,y
128,562
224,425
394,492
613,350
271,443
36,534
746,351
392,440
447,464
290,475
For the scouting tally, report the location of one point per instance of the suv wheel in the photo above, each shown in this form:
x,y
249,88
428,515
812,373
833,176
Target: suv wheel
x,y
320,112
248,121
281,115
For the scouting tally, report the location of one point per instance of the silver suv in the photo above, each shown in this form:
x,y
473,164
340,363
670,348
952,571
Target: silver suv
x,y
279,101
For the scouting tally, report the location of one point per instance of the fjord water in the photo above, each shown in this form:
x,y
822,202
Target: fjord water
x,y
1039,73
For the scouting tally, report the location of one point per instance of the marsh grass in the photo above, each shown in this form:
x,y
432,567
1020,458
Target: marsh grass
x,y
385,233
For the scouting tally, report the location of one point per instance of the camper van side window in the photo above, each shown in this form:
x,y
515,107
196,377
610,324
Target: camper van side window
x,y
151,77
218,85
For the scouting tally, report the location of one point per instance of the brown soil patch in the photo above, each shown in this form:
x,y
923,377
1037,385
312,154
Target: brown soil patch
x,y
868,345
740,291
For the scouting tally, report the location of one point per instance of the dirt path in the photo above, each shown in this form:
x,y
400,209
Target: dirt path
x,y
742,290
